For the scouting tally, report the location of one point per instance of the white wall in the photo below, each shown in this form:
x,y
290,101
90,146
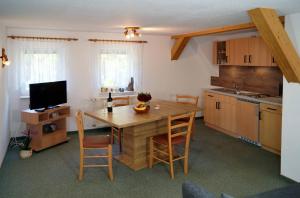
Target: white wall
x,y
290,149
161,76
4,134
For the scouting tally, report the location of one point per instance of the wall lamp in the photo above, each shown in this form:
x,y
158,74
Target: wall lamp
x,y
4,58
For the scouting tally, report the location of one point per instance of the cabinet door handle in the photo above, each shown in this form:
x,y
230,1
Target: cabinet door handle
x,y
271,109
216,105
210,96
250,58
259,115
245,58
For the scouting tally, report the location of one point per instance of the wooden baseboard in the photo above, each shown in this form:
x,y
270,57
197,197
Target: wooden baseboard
x,y
271,150
221,130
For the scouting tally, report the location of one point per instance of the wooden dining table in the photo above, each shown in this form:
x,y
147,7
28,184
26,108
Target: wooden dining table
x,y
138,127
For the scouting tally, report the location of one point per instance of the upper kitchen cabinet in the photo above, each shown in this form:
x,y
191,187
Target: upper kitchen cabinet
x,y
238,51
221,53
250,51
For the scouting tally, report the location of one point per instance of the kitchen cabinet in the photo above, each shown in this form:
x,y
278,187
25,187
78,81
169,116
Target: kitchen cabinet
x,y
239,51
221,53
250,51
211,114
220,112
270,127
247,120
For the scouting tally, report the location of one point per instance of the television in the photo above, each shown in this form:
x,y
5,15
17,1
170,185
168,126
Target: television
x,y
47,95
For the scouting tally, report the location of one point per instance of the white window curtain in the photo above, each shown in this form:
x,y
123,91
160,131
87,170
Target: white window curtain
x,y
33,61
115,63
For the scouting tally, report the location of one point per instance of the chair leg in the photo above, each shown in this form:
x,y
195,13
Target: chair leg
x,y
186,158
193,131
171,161
120,139
110,170
151,152
186,164
81,165
112,136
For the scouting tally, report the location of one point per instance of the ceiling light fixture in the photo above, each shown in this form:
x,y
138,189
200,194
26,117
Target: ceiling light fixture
x,y
131,32
4,58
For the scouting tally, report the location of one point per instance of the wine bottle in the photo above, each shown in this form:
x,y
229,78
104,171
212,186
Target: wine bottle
x,y
109,103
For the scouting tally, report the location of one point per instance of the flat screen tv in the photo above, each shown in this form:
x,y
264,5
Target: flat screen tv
x,y
47,95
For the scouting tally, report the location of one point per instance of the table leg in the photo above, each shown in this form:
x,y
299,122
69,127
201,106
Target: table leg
x,y
136,143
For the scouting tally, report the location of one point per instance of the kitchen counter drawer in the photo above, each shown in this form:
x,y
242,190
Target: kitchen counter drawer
x,y
270,108
221,97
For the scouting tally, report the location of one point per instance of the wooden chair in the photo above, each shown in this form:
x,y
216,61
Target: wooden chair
x,y
117,102
95,142
188,99
161,146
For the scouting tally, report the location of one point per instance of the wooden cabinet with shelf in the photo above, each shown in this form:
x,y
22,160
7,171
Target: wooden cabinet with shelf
x,y
37,120
250,51
270,127
220,112
221,53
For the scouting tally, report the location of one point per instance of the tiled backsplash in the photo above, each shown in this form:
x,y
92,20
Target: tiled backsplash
x,y
266,80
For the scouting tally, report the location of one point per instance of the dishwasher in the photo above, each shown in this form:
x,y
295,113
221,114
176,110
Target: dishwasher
x,y
248,121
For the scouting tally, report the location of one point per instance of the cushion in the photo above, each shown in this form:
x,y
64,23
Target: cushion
x,y
96,141
163,139
291,191
224,195
190,190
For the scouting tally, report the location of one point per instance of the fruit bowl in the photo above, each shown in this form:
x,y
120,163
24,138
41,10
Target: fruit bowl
x,y
141,110
141,107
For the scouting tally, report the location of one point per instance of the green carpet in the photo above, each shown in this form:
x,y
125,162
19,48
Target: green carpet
x,y
218,162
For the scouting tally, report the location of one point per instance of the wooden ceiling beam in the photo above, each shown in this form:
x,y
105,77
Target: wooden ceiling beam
x,y
182,39
277,39
229,28
218,30
178,47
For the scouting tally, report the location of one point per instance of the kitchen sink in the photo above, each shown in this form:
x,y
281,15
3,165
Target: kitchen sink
x,y
242,93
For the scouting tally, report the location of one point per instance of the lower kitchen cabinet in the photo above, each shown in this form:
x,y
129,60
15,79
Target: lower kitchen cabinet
x,y
270,127
220,112
257,122
211,112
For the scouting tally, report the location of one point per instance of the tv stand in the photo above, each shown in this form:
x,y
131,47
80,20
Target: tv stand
x,y
36,120
40,110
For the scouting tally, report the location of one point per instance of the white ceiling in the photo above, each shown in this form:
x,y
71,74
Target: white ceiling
x,y
155,16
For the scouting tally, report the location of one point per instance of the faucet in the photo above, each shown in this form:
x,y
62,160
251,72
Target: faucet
x,y
236,88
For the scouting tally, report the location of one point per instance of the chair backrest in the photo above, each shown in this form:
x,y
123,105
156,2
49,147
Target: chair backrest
x,y
180,125
120,101
187,99
80,127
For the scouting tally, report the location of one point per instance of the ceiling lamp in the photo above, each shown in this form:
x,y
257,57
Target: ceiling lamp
x,y
131,32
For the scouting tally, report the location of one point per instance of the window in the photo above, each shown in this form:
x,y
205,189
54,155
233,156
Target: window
x,y
115,70
115,64
37,67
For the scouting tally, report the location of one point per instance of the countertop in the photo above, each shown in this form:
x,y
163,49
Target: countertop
x,y
266,100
